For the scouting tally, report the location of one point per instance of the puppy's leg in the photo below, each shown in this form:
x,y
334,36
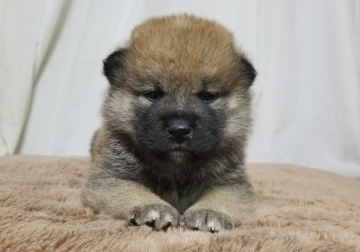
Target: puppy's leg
x,y
128,200
220,208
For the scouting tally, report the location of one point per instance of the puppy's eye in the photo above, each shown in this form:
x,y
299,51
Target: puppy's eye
x,y
153,95
207,96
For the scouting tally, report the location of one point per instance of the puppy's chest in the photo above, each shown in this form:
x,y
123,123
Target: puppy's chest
x,y
180,194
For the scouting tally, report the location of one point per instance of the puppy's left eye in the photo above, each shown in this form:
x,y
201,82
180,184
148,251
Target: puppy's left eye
x,y
207,96
153,95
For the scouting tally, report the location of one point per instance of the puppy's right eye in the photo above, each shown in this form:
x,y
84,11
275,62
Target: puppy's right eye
x,y
153,95
207,96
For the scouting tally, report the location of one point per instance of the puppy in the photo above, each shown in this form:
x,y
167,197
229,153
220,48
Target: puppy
x,y
176,117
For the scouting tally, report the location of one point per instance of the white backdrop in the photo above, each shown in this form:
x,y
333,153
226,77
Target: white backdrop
x,y
307,53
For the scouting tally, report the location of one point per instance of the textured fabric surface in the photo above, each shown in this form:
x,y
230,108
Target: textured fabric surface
x,y
298,209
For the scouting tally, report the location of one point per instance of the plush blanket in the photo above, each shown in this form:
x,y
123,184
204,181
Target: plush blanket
x,y
298,209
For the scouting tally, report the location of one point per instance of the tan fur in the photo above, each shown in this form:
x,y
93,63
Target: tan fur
x,y
125,195
154,57
223,199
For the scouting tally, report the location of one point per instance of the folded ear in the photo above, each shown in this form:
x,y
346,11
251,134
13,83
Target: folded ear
x,y
113,67
247,71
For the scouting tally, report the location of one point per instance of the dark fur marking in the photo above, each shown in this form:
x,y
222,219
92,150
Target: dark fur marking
x,y
248,71
113,65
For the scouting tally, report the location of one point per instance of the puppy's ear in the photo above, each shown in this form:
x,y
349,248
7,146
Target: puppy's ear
x,y
247,71
113,67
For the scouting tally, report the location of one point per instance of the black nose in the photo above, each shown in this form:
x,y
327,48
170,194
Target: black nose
x,y
179,129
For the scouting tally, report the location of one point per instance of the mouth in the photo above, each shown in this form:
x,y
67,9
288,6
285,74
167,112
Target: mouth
x,y
178,155
178,148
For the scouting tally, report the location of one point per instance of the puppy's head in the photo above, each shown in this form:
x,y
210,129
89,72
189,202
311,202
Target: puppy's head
x,y
180,90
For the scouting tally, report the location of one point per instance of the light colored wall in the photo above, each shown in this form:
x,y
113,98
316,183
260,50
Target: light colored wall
x,y
307,94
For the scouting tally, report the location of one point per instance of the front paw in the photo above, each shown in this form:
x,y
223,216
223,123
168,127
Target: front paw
x,y
206,220
157,216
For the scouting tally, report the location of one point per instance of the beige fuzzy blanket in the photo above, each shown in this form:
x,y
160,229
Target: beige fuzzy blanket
x,y
298,209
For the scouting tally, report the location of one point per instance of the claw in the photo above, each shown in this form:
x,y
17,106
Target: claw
x,y
195,228
213,230
150,223
165,228
133,221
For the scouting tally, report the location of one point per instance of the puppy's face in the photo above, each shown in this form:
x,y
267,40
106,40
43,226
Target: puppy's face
x,y
180,90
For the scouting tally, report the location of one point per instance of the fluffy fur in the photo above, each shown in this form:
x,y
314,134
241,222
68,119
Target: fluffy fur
x,y
178,70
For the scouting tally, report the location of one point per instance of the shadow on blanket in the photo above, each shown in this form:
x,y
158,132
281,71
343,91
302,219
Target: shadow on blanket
x,y
298,209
